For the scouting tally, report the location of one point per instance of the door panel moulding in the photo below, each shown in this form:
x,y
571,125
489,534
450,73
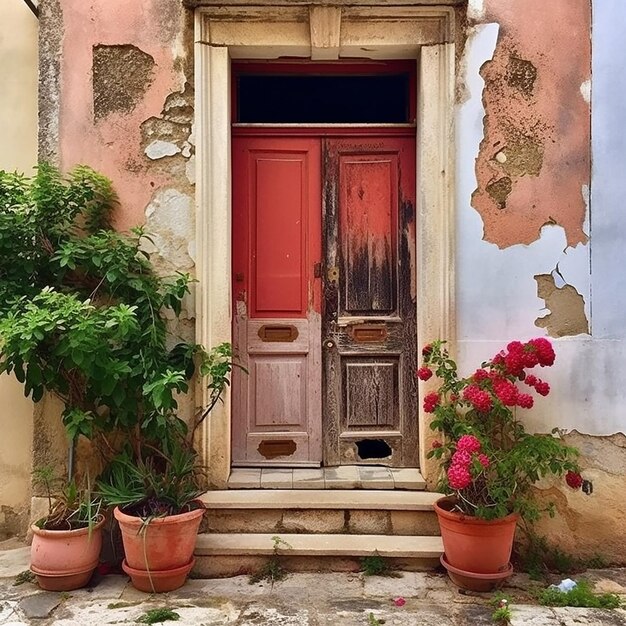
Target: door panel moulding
x,y
270,30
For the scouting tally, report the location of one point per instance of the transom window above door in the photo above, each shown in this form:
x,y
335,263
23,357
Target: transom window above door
x,y
330,93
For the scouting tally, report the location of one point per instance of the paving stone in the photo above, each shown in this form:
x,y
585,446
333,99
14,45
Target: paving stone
x,y
14,561
589,617
110,586
524,615
7,611
244,478
375,477
410,585
276,478
308,479
313,521
39,604
263,616
343,477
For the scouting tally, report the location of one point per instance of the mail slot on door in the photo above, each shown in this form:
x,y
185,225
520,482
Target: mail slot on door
x,y
368,333
278,332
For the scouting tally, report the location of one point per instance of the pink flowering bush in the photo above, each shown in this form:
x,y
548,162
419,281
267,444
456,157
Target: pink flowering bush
x,y
489,462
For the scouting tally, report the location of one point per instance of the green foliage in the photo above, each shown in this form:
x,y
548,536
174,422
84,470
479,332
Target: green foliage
x,y
376,565
582,595
502,611
24,577
272,571
513,460
155,616
538,557
372,620
69,507
157,482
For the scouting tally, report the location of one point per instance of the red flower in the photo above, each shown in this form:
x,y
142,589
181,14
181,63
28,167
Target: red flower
x,y
506,391
544,350
469,443
431,402
424,373
480,374
426,350
531,380
525,401
459,476
462,458
399,601
479,399
574,480
437,444
542,388
484,460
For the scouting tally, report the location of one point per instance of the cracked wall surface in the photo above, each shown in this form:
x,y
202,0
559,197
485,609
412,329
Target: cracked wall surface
x,y
567,308
535,153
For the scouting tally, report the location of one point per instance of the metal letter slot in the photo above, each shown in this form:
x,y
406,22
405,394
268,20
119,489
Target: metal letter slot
x,y
276,333
368,333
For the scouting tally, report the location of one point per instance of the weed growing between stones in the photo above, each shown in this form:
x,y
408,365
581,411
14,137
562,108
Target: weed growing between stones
x,y
582,595
273,570
372,620
376,565
155,616
502,610
24,577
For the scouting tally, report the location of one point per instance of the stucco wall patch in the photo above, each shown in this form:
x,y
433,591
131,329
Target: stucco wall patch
x,y
567,308
121,76
536,124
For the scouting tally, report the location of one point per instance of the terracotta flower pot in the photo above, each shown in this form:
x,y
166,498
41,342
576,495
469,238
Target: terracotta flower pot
x,y
64,560
162,544
475,545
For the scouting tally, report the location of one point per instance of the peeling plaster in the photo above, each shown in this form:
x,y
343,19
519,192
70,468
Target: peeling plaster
x,y
170,221
535,117
566,306
121,75
159,149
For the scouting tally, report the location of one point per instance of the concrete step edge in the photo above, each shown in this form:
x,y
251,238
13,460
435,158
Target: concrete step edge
x,y
366,499
399,546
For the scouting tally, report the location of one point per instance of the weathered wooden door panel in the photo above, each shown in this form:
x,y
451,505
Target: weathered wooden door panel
x,y
369,317
277,325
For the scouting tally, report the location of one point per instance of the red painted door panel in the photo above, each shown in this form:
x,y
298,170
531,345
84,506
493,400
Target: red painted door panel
x,y
276,244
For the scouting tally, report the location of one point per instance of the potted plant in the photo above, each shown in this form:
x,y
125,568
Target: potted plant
x,y
67,541
153,485
84,315
489,462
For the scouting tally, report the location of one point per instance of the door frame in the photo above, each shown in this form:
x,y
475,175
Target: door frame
x,y
318,33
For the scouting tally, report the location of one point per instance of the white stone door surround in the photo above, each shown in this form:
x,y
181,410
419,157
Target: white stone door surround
x,y
268,30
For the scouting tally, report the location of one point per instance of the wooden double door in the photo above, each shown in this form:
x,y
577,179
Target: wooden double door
x,y
324,310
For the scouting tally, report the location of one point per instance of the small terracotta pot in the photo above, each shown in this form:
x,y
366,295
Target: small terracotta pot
x,y
161,544
63,560
475,545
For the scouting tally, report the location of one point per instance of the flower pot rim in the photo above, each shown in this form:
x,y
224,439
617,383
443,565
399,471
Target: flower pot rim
x,y
470,519
61,534
136,520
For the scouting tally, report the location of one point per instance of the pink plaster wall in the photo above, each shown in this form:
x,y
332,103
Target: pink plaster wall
x,y
112,145
535,155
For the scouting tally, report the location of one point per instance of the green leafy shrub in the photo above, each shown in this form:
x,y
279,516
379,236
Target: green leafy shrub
x,y
83,315
582,595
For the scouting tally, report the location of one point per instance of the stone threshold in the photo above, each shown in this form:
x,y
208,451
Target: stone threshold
x,y
397,546
342,477
366,499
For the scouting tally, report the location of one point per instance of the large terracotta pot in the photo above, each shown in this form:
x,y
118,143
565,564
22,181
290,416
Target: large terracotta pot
x,y
63,560
157,546
474,545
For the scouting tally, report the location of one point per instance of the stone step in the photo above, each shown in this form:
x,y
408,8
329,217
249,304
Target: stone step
x,y
321,512
231,554
343,477
365,499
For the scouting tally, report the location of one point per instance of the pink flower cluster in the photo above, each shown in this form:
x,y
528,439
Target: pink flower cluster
x,y
519,356
479,398
431,402
459,474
